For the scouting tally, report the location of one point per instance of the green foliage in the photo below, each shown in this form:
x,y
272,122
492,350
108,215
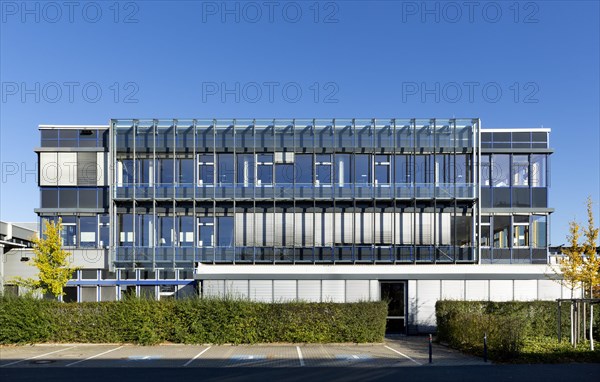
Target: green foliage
x,y
25,319
193,321
513,328
580,266
51,261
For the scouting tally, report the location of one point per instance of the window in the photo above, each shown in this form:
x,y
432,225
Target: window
x,y
463,168
362,167
145,230
500,170
284,173
185,174
104,228
127,171
304,168
402,169
520,170
382,169
538,170
166,175
264,169
206,170
145,173
485,239
206,232
166,231
245,169
89,274
538,231
501,228
485,170
520,231
225,168
323,170
225,231
69,232
186,231
88,225
126,230
342,169
423,169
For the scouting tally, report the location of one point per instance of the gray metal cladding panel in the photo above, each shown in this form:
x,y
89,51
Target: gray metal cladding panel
x,y
87,169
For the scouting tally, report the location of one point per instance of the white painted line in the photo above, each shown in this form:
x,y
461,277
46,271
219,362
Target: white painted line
x,y
404,355
37,356
92,357
300,355
196,357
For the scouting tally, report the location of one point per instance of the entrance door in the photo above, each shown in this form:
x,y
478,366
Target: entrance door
x,y
394,293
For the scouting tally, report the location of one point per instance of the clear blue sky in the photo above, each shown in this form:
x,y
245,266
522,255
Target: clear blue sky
x,y
178,59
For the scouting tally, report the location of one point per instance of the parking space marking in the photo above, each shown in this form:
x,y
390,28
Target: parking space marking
x,y
300,355
196,356
37,356
92,357
403,355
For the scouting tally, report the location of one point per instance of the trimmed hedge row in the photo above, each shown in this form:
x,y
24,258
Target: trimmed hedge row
x,y
509,325
217,321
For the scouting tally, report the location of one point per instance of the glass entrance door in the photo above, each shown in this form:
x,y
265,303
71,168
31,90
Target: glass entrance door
x,y
394,292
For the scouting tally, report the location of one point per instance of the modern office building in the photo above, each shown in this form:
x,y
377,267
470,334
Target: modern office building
x,y
412,210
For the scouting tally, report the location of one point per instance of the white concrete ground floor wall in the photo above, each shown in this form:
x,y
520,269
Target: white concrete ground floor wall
x,y
424,284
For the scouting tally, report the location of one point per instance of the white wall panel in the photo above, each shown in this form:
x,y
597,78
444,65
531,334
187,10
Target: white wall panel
x,y
333,290
357,290
548,290
318,229
237,288
309,290
67,164
477,290
374,290
259,225
501,290
261,290
284,290
213,288
269,229
526,290
48,169
428,293
406,228
240,227
453,289
328,229
102,163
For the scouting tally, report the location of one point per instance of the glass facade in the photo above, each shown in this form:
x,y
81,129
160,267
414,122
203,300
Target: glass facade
x,y
295,191
307,191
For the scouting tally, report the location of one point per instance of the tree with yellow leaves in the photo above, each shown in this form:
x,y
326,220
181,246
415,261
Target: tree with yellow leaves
x,y
590,269
580,266
51,261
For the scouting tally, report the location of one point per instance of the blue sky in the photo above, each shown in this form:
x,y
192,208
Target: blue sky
x,y
529,64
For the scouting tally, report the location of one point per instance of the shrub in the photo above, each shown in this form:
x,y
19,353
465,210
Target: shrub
x,y
511,327
194,320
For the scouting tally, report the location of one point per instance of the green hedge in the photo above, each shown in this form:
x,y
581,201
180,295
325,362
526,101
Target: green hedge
x,y
142,321
511,327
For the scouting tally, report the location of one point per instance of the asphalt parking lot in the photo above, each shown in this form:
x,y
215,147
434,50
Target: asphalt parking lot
x,y
404,358
404,352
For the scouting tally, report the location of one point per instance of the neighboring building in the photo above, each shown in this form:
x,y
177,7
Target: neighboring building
x,y
15,241
342,210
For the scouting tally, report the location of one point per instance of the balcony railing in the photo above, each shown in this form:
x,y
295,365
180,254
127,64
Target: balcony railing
x,y
298,191
169,257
